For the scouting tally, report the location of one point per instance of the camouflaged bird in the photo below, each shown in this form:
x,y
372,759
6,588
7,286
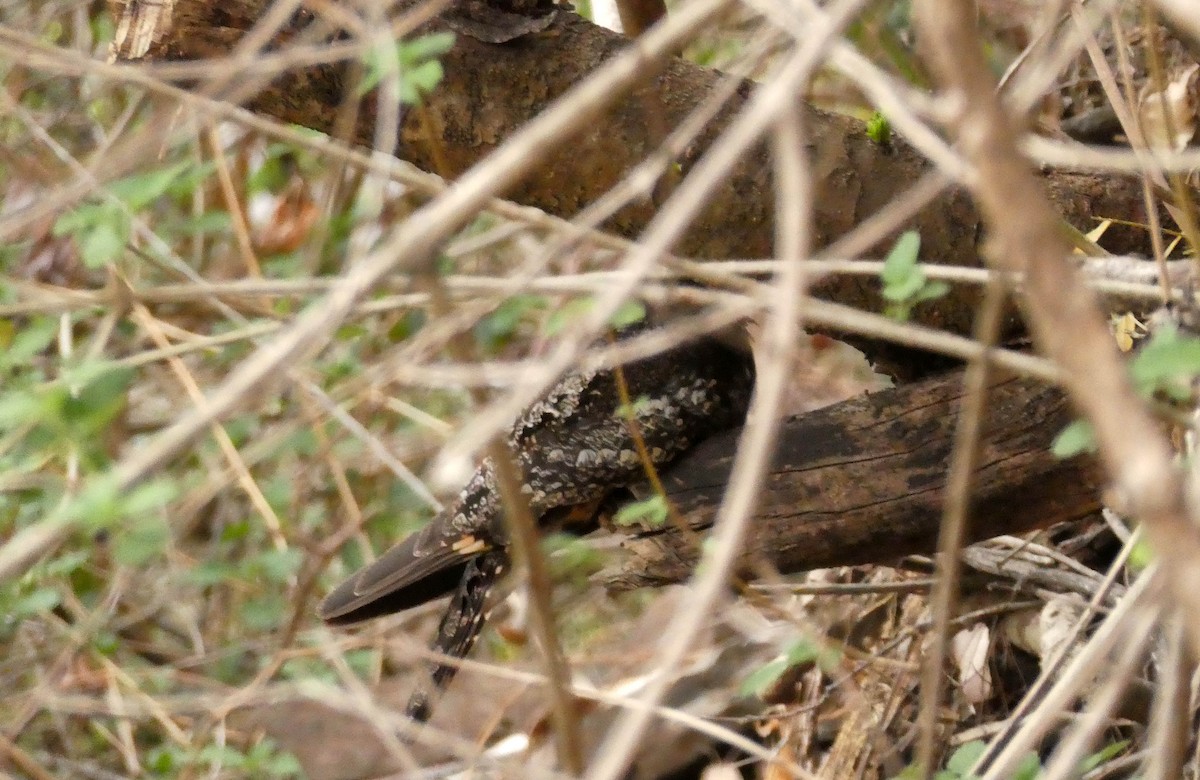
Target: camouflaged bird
x,y
573,448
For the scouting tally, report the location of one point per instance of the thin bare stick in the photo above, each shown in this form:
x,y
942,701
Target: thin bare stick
x,y
1136,614
793,218
963,463
527,552
1074,747
1181,13
1170,721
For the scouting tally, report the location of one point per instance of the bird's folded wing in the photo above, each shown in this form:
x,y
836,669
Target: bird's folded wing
x,y
423,567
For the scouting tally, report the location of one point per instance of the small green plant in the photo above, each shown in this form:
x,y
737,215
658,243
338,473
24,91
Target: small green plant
x,y
498,329
415,63
960,762
58,427
879,129
802,651
904,283
628,313
1076,439
263,571
651,512
1166,366
134,519
262,759
102,229
966,756
571,557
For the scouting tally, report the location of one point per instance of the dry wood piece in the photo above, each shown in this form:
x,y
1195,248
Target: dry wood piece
x,y
863,481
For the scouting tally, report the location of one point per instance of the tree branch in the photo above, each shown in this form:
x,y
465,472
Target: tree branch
x,y
490,90
864,481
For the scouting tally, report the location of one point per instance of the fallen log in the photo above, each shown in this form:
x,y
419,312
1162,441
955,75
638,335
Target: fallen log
x,y
863,481
491,90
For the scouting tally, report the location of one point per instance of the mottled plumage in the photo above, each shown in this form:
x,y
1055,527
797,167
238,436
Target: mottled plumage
x,y
573,448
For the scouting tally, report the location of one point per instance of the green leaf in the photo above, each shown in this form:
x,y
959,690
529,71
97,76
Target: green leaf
x,y
904,283
302,442
19,408
274,172
102,229
1141,556
419,80
1107,753
66,563
104,243
413,63
1166,363
879,129
901,262
106,643
351,331
905,290
209,222
801,652
910,772
362,661
152,496
211,573
1076,439
763,678
221,755
279,565
564,315
571,556
39,602
140,190
961,760
628,313
495,330
651,512
631,410
98,504
1028,768
190,176
163,759
140,541
408,324
33,337
932,291
97,402
135,516
236,531
82,217
265,612
425,47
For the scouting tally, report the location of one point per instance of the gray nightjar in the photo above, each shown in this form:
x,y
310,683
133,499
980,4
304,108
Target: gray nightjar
x,y
573,448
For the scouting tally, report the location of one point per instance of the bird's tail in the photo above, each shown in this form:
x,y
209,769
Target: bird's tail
x,y
459,628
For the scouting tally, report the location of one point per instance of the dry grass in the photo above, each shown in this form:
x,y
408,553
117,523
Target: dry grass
x,y
235,359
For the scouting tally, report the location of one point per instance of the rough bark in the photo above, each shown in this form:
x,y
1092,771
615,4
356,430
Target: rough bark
x,y
490,90
864,481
